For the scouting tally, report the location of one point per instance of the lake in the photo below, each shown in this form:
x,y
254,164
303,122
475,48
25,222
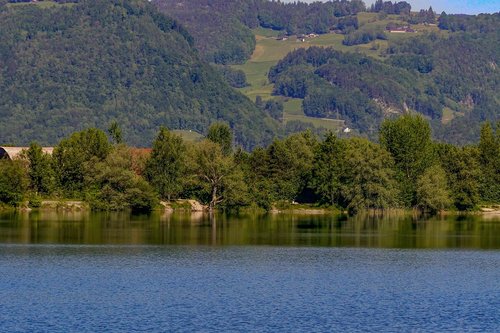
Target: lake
x,y
90,272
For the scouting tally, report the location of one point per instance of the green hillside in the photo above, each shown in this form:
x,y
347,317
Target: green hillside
x,y
64,68
269,50
70,64
222,28
457,95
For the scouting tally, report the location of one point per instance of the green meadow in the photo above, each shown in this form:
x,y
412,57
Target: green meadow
x,y
269,51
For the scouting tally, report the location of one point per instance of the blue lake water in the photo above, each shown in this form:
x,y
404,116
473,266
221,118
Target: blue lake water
x,y
113,274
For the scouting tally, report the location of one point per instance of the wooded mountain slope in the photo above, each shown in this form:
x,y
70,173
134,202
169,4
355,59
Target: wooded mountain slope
x,y
453,80
68,67
221,28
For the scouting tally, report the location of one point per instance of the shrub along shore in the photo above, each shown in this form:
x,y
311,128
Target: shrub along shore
x,y
407,169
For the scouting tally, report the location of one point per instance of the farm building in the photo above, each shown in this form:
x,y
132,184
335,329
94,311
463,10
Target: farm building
x,y
14,152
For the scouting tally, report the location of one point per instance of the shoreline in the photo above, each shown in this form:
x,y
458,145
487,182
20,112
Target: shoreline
x,y
189,205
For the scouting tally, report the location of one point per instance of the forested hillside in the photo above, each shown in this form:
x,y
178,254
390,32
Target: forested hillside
x,y
221,28
465,70
70,66
454,79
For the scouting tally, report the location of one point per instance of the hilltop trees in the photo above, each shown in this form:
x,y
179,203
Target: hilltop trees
x,y
388,7
221,28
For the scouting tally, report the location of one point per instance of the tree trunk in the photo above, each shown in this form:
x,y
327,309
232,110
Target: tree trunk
x,y
214,198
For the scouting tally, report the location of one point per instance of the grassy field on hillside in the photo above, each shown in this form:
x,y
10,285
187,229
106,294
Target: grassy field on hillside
x,y
189,136
269,51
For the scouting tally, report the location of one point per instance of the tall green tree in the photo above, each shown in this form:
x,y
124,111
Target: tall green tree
x,y
74,154
111,184
290,164
489,150
40,171
328,168
432,190
166,167
369,181
408,140
115,132
13,181
217,174
257,177
463,173
221,133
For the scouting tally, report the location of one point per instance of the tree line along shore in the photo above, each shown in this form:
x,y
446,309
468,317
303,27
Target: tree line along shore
x,y
406,169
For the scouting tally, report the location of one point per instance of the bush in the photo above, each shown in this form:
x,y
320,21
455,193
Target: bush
x,y
13,182
35,202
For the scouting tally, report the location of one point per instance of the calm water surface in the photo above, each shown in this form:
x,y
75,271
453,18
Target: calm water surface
x,y
81,272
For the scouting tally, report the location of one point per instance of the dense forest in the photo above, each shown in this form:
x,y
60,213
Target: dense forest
x,y
406,170
64,68
222,28
76,64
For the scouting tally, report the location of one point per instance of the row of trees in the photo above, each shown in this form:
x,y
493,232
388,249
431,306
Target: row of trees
x,y
407,169
388,7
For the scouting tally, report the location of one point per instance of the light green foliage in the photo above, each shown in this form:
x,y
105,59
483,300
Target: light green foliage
x,y
216,173
73,154
112,185
489,150
290,164
13,181
221,133
115,131
432,190
408,140
41,173
368,180
167,164
463,174
328,168
255,167
281,171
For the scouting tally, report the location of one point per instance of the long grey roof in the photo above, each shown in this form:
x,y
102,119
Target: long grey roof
x,y
14,152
